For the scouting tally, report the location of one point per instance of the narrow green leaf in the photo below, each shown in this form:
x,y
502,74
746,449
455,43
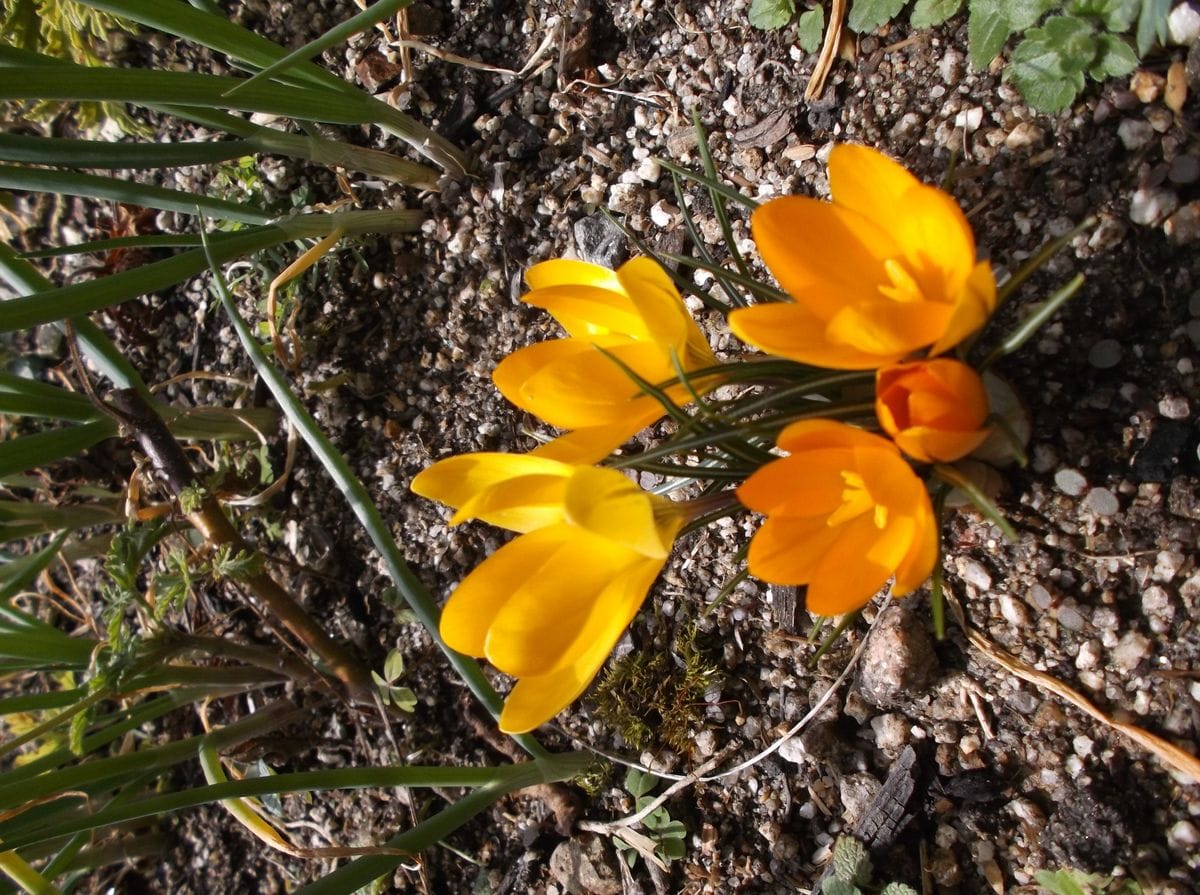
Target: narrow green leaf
x,y
1152,24
180,88
30,451
129,192
336,35
931,13
59,408
117,156
151,241
16,574
982,502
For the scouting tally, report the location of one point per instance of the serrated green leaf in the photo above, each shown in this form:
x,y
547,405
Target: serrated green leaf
x,y
1152,24
771,14
1039,69
1115,58
850,860
1024,14
835,886
1117,15
897,889
931,13
810,29
1064,882
1071,38
867,15
988,29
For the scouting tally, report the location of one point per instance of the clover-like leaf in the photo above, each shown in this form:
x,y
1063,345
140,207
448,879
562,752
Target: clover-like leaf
x,y
810,29
931,13
867,15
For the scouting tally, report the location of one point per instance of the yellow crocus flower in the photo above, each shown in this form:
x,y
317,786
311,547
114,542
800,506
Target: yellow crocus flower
x,y
549,606
884,270
845,513
635,314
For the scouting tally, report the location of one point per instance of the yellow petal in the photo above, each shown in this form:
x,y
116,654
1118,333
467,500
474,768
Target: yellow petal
x,y
538,627
975,304
791,331
457,481
606,503
569,272
807,243
521,504
536,699
585,311
788,549
473,606
591,444
570,383
868,182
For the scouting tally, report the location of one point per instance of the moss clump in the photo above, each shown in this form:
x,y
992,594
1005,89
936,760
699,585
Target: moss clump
x,y
654,698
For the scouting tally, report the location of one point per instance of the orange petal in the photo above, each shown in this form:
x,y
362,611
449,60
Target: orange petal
x,y
942,445
806,242
845,577
810,484
791,331
974,305
922,553
888,330
936,241
810,435
868,182
788,549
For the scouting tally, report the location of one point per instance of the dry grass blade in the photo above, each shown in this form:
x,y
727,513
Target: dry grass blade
x,y
1168,753
833,37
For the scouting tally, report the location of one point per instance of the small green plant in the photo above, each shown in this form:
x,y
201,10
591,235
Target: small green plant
x,y
390,691
1075,882
668,835
1061,43
650,698
851,872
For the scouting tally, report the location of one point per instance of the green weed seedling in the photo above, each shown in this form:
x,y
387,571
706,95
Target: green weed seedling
x,y
390,692
668,835
852,872
1075,882
1059,45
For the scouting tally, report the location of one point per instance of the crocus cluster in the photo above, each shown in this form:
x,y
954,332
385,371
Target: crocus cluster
x,y
882,278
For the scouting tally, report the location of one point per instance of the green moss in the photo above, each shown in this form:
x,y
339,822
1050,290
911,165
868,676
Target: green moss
x,y
657,698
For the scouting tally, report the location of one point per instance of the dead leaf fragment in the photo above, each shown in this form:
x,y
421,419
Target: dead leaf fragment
x,y
1177,87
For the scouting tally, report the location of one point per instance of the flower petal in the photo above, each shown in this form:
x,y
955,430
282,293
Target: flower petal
x,y
846,577
791,331
570,272
536,699
974,306
868,182
788,549
606,503
462,480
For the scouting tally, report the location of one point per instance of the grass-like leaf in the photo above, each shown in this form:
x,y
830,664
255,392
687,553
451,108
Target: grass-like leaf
x,y
30,451
129,192
118,156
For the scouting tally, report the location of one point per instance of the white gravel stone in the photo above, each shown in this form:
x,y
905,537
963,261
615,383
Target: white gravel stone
x,y
1131,650
1152,206
1024,136
1013,610
1040,597
1102,502
1135,133
974,573
1089,655
1167,565
1174,407
1183,25
1184,834
1070,482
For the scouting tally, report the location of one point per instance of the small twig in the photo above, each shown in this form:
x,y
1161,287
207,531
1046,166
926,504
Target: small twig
x,y
833,36
156,441
1168,753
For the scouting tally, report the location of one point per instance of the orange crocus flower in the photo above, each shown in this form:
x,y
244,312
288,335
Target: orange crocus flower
x,y
845,512
885,269
636,315
934,410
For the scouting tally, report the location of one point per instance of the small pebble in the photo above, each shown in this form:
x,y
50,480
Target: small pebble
x,y
1105,354
1070,618
1024,136
974,573
1089,656
1184,835
1152,206
1070,482
1174,407
1013,610
1185,169
1183,227
1130,651
1167,565
1040,597
1102,502
1135,133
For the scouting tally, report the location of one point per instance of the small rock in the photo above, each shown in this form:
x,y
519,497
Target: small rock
x,y
1135,133
857,791
1070,482
1070,617
1147,86
1013,610
1105,354
1156,602
1102,502
1183,25
1175,407
599,240
580,867
891,733
1184,169
1152,206
1130,651
1167,565
1184,835
1183,227
974,573
705,743
1025,135
898,660
1090,653
1040,597
951,66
